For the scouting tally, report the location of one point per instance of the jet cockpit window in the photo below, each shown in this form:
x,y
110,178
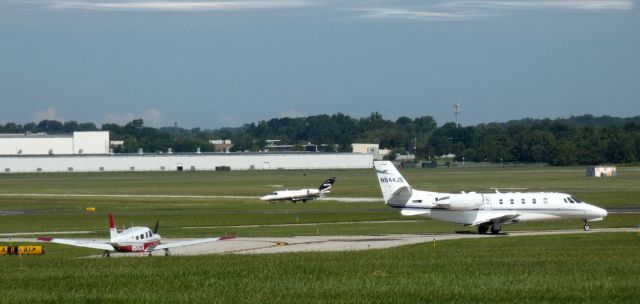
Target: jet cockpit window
x,y
566,200
570,200
575,199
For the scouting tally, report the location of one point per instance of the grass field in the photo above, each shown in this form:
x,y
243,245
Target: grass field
x,y
591,268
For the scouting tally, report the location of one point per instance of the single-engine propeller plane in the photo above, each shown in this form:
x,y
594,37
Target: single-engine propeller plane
x,y
487,211
133,239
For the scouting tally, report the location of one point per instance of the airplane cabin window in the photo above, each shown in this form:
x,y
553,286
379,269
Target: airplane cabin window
x,y
500,201
511,201
522,201
545,200
142,236
136,237
533,201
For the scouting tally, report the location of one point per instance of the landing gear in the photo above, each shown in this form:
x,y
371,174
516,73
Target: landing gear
x,y
106,254
150,253
482,229
586,225
166,252
495,228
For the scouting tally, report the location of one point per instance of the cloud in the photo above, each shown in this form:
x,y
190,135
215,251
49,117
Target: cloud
x,y
543,4
418,14
151,117
170,5
459,10
48,114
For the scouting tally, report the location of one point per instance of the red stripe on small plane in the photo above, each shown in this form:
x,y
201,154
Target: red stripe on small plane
x,y
227,237
112,224
45,239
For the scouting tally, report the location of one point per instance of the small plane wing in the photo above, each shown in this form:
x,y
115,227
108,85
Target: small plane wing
x,y
87,244
192,242
499,217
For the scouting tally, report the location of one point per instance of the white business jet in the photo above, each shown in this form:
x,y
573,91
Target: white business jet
x,y
485,210
134,239
303,195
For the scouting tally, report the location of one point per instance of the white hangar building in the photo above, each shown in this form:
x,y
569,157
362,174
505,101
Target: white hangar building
x,y
183,162
89,152
92,142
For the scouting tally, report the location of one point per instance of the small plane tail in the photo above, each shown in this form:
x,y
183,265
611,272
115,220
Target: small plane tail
x,y
113,232
326,185
395,189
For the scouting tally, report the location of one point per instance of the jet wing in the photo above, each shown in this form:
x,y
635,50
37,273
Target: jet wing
x,y
192,242
412,212
79,243
500,217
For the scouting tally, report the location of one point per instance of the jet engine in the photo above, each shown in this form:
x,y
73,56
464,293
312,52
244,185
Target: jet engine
x,y
461,202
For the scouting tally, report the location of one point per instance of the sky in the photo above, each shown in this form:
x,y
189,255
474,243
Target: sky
x,y
212,64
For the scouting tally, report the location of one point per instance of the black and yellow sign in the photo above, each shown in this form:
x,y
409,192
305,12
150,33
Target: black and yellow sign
x,y
21,250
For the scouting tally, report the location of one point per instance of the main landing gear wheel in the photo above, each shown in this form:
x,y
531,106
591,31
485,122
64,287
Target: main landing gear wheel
x,y
495,228
166,252
482,229
106,254
586,225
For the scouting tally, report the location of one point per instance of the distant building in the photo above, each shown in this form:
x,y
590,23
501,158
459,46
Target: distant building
x,y
221,145
374,149
601,171
91,142
273,146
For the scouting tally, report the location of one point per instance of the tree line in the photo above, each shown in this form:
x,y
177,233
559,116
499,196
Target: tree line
x,y
578,140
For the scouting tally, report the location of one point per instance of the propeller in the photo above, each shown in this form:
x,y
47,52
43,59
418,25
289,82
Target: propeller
x,y
155,230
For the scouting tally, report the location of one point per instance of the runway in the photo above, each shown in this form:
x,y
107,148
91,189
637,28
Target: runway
x,y
161,196
271,245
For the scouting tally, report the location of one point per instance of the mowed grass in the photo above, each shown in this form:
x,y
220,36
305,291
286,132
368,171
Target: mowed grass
x,y
217,216
587,268
581,268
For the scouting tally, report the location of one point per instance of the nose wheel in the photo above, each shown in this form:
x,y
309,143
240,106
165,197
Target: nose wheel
x,y
586,225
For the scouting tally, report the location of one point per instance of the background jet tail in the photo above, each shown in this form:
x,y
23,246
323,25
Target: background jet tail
x,y
326,185
395,189
113,232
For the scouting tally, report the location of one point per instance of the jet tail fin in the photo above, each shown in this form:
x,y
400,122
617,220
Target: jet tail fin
x,y
113,232
395,189
326,185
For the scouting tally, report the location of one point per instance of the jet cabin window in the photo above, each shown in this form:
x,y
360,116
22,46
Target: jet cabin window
x,y
545,200
511,201
522,201
501,201
533,201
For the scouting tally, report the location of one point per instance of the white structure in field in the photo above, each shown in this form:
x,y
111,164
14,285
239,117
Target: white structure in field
x,y
92,142
601,171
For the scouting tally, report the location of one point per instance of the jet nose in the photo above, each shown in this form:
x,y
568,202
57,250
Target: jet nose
x,y
601,212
